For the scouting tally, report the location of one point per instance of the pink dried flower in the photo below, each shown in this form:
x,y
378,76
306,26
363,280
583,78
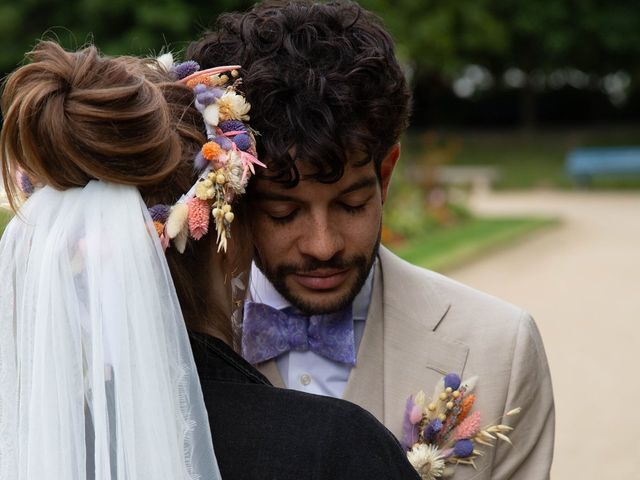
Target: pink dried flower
x,y
164,241
468,428
416,414
198,218
410,431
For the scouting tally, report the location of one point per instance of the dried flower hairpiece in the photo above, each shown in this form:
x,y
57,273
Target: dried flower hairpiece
x,y
225,162
444,432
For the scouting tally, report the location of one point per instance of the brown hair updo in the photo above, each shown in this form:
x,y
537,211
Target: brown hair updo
x,y
72,117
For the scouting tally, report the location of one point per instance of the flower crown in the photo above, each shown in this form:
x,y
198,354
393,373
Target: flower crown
x,y
225,163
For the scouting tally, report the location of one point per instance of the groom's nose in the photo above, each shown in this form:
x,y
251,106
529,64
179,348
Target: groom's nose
x,y
322,238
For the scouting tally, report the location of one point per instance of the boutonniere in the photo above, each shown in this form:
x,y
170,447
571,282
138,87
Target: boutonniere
x,y
444,431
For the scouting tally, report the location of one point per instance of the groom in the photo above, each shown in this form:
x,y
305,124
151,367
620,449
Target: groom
x,y
329,310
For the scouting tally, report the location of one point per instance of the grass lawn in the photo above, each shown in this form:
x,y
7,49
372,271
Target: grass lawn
x,y
447,248
5,216
524,159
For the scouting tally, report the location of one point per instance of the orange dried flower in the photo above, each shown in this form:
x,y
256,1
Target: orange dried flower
x,y
203,79
193,82
159,227
211,150
465,407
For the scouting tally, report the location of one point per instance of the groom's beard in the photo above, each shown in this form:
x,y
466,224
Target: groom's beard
x,y
360,264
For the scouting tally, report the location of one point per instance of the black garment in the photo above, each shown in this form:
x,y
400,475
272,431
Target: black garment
x,y
266,433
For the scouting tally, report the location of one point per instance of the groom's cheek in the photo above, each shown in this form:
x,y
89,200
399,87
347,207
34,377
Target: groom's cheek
x,y
272,244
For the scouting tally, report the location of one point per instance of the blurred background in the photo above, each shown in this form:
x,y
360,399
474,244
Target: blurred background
x,y
520,174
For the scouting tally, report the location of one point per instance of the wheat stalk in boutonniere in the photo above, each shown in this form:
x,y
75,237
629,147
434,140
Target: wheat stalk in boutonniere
x,y
445,430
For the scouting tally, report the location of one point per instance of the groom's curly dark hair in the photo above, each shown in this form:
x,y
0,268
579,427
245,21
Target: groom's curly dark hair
x,y
322,79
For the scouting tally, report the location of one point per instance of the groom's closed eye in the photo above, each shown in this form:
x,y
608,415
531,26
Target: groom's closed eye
x,y
280,213
355,202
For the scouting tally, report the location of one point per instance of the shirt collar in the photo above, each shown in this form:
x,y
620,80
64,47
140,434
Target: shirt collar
x,y
261,290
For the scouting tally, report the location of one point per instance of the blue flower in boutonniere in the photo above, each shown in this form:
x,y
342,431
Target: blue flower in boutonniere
x,y
443,432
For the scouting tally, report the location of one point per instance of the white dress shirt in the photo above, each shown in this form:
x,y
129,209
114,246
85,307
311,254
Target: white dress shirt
x,y
308,371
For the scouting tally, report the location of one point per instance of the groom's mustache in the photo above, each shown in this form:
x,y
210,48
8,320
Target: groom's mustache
x,y
335,263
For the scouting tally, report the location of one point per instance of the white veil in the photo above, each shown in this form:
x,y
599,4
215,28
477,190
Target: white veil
x,y
97,379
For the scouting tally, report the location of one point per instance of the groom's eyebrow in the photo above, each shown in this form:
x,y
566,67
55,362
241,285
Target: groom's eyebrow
x,y
267,195
366,182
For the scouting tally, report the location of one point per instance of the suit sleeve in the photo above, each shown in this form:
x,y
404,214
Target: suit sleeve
x,y
363,449
529,388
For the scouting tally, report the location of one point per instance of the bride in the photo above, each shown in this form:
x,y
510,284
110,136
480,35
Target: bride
x,y
128,234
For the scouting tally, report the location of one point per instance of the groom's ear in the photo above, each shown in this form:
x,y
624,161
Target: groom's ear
x,y
386,168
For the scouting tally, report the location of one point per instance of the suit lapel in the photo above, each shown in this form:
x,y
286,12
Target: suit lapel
x,y
416,356
366,380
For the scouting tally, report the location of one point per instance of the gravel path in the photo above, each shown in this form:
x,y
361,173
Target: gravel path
x,y
581,281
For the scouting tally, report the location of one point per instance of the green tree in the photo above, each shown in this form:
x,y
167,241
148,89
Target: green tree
x,y
441,36
594,37
116,26
437,38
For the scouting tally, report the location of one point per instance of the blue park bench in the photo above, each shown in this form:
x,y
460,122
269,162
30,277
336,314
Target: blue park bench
x,y
585,163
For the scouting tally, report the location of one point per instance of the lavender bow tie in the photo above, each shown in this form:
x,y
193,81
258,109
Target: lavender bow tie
x,y
268,332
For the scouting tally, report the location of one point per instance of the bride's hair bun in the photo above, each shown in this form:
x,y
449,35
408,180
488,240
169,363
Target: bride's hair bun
x,y
70,117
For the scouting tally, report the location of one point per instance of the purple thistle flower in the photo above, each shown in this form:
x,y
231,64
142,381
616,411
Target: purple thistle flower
x,y
452,380
432,429
232,126
242,141
199,162
24,183
185,69
159,213
463,448
224,142
208,96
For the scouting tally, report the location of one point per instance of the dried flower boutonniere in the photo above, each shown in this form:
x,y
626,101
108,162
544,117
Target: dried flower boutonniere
x,y
443,432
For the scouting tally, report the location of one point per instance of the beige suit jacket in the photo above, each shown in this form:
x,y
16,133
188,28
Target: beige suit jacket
x,y
421,326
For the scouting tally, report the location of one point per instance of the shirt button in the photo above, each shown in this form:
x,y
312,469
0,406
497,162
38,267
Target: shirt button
x,y
305,379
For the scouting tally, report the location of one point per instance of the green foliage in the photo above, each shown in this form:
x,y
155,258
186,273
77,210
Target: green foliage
x,y
436,38
417,201
433,35
408,214
447,248
5,216
116,26
439,36
597,37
